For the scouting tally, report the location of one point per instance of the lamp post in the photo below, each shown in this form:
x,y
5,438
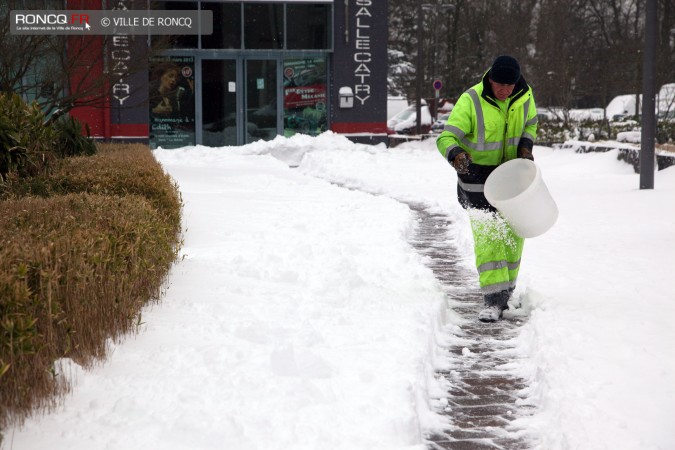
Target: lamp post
x,y
648,102
420,58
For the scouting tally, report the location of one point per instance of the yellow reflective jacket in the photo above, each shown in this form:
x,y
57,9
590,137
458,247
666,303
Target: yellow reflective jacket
x,y
491,136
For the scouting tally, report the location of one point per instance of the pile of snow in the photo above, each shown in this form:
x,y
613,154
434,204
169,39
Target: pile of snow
x,y
580,115
300,317
634,137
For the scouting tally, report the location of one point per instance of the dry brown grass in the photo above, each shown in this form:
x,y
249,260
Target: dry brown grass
x,y
76,266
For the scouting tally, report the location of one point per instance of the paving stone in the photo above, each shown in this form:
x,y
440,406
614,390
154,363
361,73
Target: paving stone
x,y
472,400
485,411
466,435
467,445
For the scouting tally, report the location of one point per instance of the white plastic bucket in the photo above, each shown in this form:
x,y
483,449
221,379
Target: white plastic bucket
x,y
518,192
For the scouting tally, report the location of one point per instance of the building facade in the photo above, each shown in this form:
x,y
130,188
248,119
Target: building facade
x,y
269,68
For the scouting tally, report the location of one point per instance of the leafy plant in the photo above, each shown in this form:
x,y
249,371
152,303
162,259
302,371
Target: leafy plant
x,y
26,144
69,139
12,155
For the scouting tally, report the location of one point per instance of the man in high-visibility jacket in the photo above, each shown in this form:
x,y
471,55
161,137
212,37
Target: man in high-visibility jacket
x,y
493,122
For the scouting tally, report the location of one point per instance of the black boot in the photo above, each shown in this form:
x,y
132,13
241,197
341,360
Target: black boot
x,y
495,304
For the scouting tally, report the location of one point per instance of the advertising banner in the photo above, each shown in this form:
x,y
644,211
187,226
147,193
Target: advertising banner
x,y
305,89
172,101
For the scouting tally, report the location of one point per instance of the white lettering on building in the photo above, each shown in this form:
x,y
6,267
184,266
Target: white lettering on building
x,y
120,55
362,54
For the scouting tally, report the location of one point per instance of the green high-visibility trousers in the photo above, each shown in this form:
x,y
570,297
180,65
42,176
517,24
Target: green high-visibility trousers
x,y
498,251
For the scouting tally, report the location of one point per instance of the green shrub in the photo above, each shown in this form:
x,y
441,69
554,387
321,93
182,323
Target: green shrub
x,y
29,145
552,131
665,131
69,139
12,154
26,144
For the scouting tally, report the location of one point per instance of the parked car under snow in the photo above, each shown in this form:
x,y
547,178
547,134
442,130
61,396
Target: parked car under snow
x,y
405,122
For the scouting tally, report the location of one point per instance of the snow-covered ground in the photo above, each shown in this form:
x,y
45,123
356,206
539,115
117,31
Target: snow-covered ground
x,y
301,318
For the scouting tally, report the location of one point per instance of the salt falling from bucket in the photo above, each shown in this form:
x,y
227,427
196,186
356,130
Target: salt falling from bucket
x,y
519,193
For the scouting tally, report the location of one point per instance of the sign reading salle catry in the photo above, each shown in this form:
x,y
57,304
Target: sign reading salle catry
x,y
360,64
362,50
128,87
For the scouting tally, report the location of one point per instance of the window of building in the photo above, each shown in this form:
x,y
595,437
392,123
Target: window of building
x,y
308,26
226,26
263,25
162,42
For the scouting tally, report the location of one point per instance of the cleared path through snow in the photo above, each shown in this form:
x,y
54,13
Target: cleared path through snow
x,y
483,400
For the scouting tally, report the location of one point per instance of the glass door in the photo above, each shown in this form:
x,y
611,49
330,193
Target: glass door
x,y
219,102
235,116
261,100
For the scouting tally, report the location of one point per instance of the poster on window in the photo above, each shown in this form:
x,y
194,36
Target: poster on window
x,y
305,96
172,101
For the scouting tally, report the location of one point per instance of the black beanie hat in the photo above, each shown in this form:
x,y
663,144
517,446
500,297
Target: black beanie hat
x,y
505,70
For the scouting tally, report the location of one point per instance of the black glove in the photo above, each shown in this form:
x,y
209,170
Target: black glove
x,y
461,163
526,153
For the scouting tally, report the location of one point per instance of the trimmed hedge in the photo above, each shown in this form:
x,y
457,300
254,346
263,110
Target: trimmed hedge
x,y
122,169
77,264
